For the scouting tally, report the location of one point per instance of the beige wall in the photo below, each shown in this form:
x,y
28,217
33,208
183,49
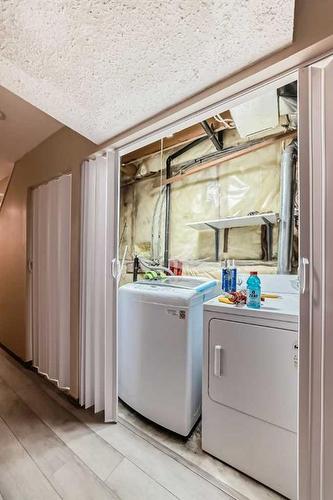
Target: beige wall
x,y
235,188
62,152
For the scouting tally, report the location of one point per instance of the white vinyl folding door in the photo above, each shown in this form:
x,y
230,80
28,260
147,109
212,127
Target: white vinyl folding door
x,y
316,278
98,295
50,244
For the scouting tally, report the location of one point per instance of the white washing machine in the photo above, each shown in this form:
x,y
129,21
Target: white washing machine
x,y
250,375
160,349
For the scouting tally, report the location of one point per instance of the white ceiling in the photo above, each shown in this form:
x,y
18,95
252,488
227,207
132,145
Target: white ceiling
x,y
24,128
102,66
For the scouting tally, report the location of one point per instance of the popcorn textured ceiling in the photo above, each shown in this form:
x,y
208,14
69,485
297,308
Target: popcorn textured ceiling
x,y
102,66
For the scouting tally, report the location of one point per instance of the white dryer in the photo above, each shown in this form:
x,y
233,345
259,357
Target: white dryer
x,y
160,349
249,413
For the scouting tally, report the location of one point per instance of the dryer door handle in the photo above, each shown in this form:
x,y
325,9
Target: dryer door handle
x,y
218,361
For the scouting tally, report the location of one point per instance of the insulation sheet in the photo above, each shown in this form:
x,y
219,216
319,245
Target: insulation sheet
x,y
235,188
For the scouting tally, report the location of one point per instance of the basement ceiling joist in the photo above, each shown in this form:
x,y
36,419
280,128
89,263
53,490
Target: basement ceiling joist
x,y
101,67
175,140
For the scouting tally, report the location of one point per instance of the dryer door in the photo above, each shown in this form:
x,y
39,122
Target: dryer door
x,y
253,369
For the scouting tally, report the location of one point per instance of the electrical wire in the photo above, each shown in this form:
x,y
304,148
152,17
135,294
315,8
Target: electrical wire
x,y
153,266
153,255
159,225
158,207
226,122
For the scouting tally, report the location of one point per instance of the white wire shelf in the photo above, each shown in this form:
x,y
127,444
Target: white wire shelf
x,y
231,222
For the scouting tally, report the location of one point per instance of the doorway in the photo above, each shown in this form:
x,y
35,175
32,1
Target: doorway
x,y
224,189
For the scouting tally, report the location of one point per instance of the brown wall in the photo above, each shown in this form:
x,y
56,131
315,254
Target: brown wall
x,y
3,185
313,21
62,152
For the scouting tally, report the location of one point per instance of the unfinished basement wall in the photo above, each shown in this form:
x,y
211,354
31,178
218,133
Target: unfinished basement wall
x,y
62,152
235,188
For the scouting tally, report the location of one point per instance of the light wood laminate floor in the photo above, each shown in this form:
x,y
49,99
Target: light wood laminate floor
x,y
50,449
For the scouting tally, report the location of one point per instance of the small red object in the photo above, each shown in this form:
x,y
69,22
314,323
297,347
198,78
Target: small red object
x,y
176,266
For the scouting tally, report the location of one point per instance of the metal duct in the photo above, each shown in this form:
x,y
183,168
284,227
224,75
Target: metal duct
x,y
212,136
288,159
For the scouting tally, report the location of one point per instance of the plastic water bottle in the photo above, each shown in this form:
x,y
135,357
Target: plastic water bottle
x,y
225,277
233,272
253,291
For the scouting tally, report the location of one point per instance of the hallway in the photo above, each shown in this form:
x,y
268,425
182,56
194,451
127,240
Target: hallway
x,y
51,449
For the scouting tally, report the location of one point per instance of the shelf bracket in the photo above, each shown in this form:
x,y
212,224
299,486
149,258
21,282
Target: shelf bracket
x,y
226,240
217,241
269,238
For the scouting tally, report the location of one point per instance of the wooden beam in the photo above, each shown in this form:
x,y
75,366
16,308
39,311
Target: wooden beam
x,y
168,143
231,156
178,139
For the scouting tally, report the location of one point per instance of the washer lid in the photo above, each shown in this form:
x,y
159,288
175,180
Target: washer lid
x,y
285,308
154,293
188,282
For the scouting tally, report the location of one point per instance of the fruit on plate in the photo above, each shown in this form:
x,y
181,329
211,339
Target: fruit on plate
x,y
238,297
235,298
225,300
